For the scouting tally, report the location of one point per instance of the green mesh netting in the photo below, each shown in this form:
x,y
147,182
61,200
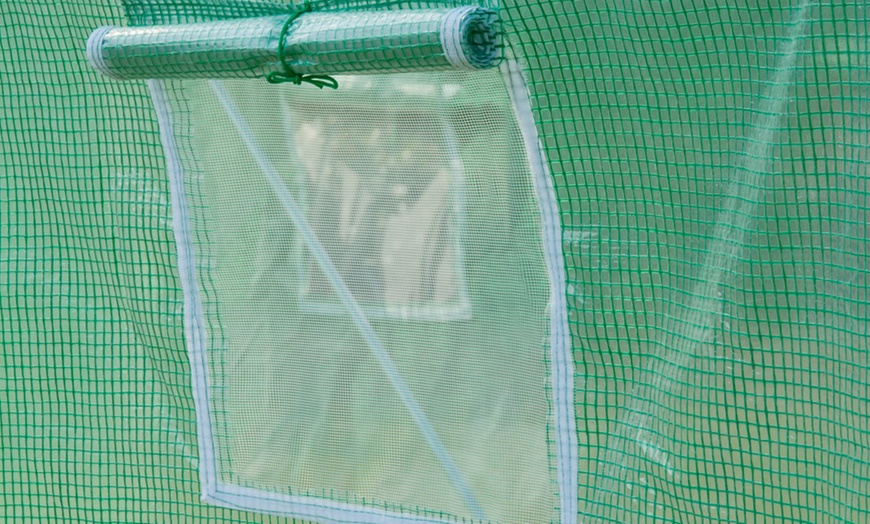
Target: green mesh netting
x,y
710,163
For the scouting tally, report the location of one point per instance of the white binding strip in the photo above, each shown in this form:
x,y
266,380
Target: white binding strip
x,y
562,360
194,325
451,37
94,51
319,510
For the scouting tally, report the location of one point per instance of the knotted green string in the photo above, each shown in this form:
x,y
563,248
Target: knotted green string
x,y
288,75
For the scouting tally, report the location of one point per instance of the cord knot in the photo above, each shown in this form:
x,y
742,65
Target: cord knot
x,y
288,75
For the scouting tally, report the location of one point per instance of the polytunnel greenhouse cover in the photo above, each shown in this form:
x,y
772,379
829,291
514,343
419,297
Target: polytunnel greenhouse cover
x,y
362,261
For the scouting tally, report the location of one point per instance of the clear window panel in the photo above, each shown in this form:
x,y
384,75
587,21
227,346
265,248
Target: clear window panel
x,y
374,296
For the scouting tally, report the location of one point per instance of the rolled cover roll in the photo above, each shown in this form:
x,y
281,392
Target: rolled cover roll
x,y
316,43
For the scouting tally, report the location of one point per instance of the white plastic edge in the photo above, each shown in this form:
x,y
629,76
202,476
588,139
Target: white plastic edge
x,y
330,512
94,51
562,358
310,508
194,324
451,37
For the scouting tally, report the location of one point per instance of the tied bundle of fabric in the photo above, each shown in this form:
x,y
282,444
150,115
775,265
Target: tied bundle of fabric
x,y
303,46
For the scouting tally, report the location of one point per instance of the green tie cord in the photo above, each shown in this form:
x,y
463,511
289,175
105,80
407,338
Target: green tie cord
x,y
288,75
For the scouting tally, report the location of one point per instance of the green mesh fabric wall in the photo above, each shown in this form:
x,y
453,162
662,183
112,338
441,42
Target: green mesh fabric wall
x,y
711,163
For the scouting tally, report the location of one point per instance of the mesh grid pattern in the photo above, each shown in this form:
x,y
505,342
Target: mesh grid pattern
x,y
711,165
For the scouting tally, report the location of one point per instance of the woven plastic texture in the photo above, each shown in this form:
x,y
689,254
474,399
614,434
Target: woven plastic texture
x,y
710,161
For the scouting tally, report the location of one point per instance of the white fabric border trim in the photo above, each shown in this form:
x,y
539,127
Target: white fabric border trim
x,y
94,52
311,508
330,512
451,37
194,325
562,359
